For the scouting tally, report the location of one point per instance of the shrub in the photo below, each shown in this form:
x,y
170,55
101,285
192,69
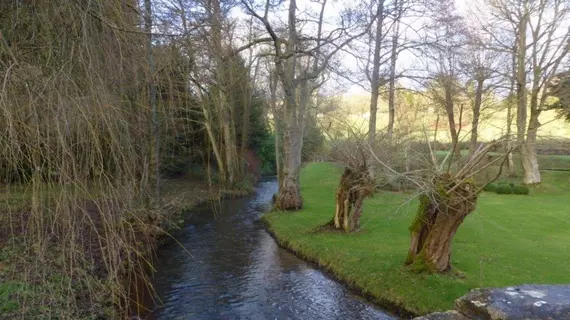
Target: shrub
x,y
512,185
521,189
491,187
504,189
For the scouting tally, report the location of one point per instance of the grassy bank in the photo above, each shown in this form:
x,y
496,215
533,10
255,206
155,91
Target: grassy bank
x,y
509,240
34,280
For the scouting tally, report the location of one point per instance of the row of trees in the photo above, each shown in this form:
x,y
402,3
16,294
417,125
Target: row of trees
x,y
474,64
99,101
508,50
112,95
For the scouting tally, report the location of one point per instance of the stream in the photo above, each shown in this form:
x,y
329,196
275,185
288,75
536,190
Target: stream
x,y
234,269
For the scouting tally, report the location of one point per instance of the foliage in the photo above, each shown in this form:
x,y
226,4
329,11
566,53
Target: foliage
x,y
491,187
266,152
504,189
313,140
76,132
560,89
521,189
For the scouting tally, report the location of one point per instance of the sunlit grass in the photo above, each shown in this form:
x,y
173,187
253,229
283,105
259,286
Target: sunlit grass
x,y
509,240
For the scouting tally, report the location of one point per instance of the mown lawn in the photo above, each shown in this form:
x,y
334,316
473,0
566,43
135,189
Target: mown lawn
x,y
509,240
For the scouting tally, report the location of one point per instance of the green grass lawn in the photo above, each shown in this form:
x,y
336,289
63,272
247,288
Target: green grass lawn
x,y
508,240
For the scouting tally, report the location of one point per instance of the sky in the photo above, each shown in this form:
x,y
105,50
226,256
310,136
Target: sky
x,y
406,59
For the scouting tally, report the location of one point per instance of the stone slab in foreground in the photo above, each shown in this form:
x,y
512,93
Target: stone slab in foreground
x,y
526,302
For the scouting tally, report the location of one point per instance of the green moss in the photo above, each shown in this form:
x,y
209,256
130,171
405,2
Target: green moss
x,y
420,214
8,291
421,264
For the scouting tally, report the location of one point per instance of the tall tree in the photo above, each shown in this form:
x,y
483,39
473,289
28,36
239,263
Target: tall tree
x,y
446,37
299,61
375,80
542,37
152,100
480,67
397,16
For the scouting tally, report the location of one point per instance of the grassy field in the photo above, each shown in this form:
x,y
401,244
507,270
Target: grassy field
x,y
509,240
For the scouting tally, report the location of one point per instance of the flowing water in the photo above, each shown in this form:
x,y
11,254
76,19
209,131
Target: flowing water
x,y
233,269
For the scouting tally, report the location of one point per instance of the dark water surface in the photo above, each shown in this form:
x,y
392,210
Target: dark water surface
x,y
233,269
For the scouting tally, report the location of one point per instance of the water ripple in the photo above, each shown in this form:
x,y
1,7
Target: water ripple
x,y
237,271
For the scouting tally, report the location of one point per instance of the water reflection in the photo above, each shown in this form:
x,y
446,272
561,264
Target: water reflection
x,y
235,270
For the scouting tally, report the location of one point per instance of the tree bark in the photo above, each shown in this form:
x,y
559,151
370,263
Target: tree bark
x,y
438,218
509,146
225,108
355,185
476,115
392,84
289,197
212,136
153,102
521,88
277,127
528,154
246,116
375,80
449,110
528,151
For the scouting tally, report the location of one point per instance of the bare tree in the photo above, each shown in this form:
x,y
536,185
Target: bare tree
x,y
300,61
480,66
375,80
541,33
152,101
446,199
446,36
398,12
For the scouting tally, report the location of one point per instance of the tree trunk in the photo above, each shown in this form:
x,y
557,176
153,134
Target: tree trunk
x,y
392,84
375,80
521,90
277,127
528,152
225,108
449,110
289,197
476,114
355,185
244,144
153,102
438,218
509,146
230,148
212,138
246,115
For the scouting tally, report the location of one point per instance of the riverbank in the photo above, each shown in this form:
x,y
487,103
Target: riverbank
x,y
35,284
509,240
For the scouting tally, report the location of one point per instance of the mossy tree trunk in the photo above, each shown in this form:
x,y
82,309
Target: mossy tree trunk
x,y
439,216
355,185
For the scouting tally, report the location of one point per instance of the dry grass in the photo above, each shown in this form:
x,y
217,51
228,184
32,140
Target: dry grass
x,y
75,152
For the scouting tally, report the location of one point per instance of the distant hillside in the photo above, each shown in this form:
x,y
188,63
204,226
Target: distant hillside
x,y
355,110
